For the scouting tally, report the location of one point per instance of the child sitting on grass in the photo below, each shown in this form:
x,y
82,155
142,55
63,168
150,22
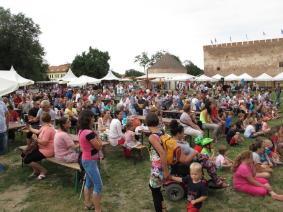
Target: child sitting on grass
x,y
233,137
262,170
245,180
222,161
271,153
197,189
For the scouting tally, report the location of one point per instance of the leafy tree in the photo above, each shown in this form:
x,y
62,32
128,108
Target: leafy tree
x,y
93,63
143,60
117,74
20,47
192,68
132,73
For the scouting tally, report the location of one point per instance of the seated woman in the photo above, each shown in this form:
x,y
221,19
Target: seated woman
x,y
190,128
13,117
64,146
104,121
116,136
45,142
245,180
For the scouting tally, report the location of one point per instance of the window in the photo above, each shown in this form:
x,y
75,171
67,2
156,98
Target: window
x,y
218,68
280,64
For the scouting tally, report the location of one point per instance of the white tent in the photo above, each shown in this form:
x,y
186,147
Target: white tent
x,y
125,80
231,77
7,86
263,78
278,77
246,77
110,76
68,77
15,77
217,77
83,80
203,78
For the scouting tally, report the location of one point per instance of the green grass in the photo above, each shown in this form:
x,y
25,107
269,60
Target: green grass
x,y
125,186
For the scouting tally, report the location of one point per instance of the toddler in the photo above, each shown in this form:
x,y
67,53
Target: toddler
x,y
222,161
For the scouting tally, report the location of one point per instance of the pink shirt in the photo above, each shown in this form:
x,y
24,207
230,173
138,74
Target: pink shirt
x,y
241,174
129,139
62,143
47,133
86,146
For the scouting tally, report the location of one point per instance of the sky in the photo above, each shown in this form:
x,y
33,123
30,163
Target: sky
x,y
125,28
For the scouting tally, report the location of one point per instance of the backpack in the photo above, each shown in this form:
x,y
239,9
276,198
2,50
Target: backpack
x,y
171,148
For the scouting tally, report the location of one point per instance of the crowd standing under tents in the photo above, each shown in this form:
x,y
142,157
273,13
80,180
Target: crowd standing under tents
x,y
119,108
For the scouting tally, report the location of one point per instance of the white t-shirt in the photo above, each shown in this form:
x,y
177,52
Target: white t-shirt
x,y
256,158
115,132
219,161
249,131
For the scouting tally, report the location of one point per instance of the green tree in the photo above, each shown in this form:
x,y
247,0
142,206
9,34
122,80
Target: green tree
x,y
192,68
132,73
143,60
20,47
117,74
93,63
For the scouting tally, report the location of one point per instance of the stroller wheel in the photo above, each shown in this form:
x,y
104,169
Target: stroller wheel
x,y
174,192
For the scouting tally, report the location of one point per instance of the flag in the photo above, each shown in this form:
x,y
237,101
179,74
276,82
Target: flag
x,y
247,36
263,33
230,39
211,42
215,40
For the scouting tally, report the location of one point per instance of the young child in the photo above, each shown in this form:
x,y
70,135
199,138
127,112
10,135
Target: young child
x,y
262,170
197,190
222,161
265,127
130,141
250,131
271,153
228,121
233,137
245,180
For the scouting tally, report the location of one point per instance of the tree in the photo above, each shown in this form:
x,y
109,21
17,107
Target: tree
x,y
93,63
132,73
20,47
117,74
192,68
143,60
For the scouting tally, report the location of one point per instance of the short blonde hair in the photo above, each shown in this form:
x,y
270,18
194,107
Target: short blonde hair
x,y
196,166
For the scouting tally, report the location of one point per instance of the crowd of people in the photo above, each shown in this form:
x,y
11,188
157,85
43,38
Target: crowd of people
x,y
235,111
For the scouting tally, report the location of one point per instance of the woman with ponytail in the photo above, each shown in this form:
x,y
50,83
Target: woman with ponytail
x,y
245,180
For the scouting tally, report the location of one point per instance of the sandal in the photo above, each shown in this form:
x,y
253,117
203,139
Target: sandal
x,y
89,208
41,177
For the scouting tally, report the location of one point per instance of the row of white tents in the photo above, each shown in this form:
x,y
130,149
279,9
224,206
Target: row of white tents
x,y
83,80
166,77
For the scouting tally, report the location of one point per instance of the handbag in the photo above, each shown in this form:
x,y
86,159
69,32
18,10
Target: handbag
x,y
30,148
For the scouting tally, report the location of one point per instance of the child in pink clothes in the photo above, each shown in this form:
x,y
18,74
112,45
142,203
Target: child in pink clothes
x,y
244,179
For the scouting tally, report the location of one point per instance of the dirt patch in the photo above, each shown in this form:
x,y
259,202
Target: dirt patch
x,y
13,199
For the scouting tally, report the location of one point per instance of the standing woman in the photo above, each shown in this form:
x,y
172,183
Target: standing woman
x,y
159,169
90,144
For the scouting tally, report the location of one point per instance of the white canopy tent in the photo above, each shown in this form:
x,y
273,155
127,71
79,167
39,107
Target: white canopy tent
x,y
7,86
203,78
12,75
278,77
231,77
110,76
263,78
83,80
217,77
68,77
246,77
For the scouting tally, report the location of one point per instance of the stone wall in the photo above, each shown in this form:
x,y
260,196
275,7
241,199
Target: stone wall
x,y
252,57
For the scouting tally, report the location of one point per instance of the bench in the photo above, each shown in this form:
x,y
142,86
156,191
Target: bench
x,y
74,166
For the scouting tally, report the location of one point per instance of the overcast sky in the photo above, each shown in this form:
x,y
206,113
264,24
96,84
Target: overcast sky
x,y
125,28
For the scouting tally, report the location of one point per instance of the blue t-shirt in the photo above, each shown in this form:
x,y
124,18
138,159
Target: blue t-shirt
x,y
228,121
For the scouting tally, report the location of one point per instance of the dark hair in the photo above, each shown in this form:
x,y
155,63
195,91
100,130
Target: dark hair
x,y
222,149
117,113
175,127
152,120
10,107
62,122
84,119
256,145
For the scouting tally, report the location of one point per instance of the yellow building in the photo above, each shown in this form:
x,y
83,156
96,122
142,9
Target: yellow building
x,y
56,72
